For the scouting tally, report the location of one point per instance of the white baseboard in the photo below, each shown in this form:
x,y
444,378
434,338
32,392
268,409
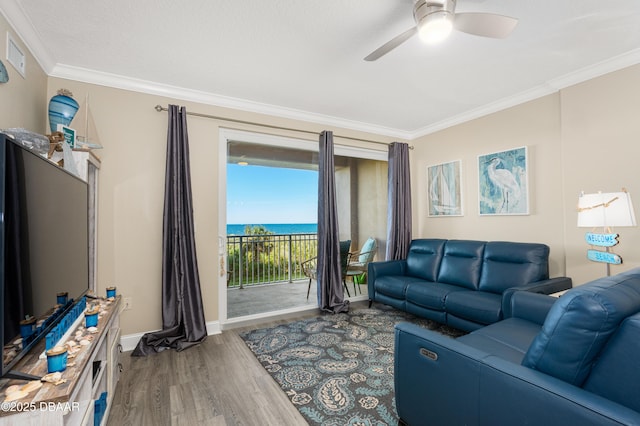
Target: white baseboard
x,y
130,341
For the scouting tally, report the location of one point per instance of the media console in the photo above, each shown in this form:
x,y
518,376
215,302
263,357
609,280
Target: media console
x,y
91,379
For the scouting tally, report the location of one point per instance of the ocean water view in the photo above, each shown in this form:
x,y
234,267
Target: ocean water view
x,y
276,228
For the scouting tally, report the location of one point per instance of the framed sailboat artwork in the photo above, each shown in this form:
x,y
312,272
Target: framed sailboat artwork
x,y
444,184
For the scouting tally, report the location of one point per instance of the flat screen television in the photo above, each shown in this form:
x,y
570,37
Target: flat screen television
x,y
44,248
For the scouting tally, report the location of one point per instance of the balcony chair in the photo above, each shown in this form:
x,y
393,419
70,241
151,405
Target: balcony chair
x,y
310,266
359,262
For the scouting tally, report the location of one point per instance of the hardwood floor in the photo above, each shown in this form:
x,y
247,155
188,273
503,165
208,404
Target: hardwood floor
x,y
219,382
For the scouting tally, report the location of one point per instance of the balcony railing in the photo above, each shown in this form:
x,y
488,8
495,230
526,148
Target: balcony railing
x,y
262,259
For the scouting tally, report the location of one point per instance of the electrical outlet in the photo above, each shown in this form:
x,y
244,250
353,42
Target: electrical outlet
x,y
128,303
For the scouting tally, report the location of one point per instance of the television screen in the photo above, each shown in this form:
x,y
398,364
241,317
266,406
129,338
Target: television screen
x,y
45,237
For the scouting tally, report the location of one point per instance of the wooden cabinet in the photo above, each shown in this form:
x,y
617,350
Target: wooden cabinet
x,y
91,377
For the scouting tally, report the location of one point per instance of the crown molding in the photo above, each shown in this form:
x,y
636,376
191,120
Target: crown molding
x,y
554,85
149,87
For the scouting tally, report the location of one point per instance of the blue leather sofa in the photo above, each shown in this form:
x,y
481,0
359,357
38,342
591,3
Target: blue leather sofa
x,y
462,283
568,361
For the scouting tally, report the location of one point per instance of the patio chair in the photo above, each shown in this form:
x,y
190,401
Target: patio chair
x,y
359,262
310,266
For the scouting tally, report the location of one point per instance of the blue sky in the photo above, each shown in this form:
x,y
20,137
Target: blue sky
x,y
257,194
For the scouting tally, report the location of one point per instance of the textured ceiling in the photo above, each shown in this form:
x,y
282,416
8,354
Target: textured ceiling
x,y
304,59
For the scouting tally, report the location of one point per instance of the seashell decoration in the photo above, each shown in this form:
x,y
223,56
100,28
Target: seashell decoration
x,y
32,385
13,396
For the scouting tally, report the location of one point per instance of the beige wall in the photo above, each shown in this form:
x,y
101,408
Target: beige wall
x,y
583,138
536,125
372,204
600,151
23,101
131,192
343,204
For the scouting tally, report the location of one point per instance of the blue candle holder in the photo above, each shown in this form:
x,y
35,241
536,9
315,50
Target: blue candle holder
x,y
27,327
62,298
111,292
56,359
91,318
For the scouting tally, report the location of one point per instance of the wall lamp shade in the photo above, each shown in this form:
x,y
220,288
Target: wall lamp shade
x,y
611,209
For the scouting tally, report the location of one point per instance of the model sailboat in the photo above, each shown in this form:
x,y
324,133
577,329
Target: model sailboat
x,y
87,136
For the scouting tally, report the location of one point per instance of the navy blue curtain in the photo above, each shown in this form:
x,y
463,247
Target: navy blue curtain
x,y
399,219
329,279
183,323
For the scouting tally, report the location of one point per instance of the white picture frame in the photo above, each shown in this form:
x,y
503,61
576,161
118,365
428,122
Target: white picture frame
x,y
503,184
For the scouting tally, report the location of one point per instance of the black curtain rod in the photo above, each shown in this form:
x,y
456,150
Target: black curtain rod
x,y
160,108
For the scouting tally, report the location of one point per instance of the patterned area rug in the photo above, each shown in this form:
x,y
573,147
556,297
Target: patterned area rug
x,y
337,369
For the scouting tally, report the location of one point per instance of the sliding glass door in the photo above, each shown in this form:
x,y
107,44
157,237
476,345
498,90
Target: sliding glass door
x,y
269,206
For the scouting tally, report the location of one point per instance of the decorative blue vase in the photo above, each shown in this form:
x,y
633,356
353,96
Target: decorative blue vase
x,y
62,109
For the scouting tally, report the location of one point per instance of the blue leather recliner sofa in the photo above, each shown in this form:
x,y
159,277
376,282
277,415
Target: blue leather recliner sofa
x,y
462,283
568,361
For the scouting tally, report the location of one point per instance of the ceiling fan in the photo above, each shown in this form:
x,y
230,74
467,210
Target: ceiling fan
x,y
435,20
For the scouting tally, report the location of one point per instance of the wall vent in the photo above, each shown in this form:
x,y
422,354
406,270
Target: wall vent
x,y
15,56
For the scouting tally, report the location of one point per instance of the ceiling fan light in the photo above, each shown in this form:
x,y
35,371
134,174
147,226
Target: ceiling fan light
x,y
436,27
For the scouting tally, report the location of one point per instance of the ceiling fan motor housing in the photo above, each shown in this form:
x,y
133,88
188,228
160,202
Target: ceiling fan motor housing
x,y
424,8
434,20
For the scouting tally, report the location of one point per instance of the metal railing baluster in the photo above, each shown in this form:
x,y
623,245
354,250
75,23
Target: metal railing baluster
x,y
261,259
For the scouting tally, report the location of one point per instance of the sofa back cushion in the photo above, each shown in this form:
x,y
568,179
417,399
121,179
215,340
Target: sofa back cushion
x,y
615,375
508,264
423,259
579,325
462,263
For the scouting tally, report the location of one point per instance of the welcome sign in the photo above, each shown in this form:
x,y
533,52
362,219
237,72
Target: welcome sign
x,y
601,240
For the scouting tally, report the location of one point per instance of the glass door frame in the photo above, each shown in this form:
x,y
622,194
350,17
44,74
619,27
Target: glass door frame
x,y
226,135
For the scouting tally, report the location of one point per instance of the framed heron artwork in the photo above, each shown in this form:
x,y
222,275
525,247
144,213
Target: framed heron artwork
x,y
503,187
445,189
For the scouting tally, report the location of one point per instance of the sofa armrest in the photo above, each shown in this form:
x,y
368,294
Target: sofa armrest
x,y
550,286
440,380
532,307
382,268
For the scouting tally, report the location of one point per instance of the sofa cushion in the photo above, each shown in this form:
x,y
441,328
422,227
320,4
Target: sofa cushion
x,y
616,375
461,263
508,339
583,319
394,285
423,259
429,294
477,306
508,264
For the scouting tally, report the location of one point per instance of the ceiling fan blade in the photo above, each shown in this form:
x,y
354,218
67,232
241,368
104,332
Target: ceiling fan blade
x,y
484,24
391,44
